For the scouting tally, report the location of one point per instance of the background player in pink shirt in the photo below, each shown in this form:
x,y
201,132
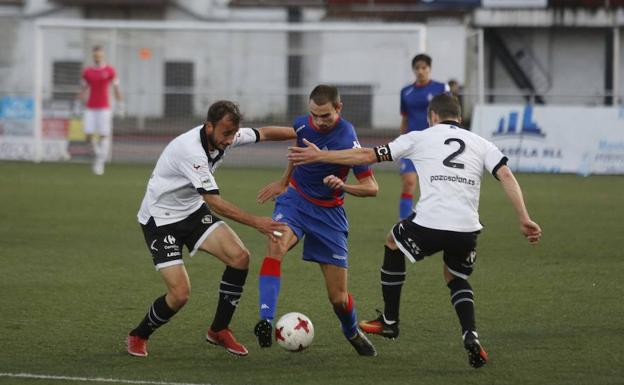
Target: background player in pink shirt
x,y
97,79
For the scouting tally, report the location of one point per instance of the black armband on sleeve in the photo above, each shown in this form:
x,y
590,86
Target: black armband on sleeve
x,y
383,153
500,164
211,192
255,130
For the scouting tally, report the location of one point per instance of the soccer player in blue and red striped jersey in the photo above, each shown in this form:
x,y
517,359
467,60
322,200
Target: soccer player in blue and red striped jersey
x,y
415,100
310,203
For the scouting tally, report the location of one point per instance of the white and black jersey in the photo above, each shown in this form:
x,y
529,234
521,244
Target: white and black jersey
x,y
183,173
450,163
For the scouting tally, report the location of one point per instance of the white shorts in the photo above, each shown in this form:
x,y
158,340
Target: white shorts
x,y
98,121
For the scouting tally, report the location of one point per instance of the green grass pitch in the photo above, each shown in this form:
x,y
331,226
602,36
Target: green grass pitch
x,y
76,277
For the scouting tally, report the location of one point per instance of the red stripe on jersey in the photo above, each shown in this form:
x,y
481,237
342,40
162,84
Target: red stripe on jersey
x,y
364,174
323,203
407,195
271,266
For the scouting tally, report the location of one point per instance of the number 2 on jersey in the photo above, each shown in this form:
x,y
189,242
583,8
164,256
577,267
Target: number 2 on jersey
x,y
448,161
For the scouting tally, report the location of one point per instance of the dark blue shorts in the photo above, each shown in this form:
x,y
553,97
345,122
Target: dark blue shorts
x,y
324,229
407,166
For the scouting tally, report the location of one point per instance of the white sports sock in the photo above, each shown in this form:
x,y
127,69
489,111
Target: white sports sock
x,y
104,148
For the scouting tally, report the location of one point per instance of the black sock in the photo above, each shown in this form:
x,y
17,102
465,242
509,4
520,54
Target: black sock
x,y
158,314
392,279
230,291
462,299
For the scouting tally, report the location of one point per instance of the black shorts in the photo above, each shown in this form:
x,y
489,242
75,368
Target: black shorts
x,y
165,242
417,242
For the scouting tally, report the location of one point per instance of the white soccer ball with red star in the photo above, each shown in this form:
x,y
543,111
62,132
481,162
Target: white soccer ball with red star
x,y
294,332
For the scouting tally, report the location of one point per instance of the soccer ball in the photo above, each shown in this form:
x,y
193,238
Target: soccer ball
x,y
294,332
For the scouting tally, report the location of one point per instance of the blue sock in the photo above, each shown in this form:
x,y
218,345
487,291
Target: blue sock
x,y
269,287
405,206
348,318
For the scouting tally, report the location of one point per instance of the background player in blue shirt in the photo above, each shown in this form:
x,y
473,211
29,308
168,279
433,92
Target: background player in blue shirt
x,y
415,100
311,206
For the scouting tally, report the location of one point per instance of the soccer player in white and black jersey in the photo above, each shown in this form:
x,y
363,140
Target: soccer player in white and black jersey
x,y
179,209
450,163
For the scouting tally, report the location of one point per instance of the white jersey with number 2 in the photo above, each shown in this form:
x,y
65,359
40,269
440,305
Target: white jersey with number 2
x,y
450,162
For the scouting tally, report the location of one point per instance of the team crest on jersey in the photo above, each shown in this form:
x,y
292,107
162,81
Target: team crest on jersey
x,y
207,219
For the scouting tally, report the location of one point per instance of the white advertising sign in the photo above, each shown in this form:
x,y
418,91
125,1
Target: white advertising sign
x,y
24,148
583,140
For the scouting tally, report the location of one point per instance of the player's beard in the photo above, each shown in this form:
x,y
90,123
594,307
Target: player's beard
x,y
211,141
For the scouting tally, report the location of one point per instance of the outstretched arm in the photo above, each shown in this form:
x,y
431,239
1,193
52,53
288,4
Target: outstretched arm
x,y
265,225
529,229
275,133
274,189
312,154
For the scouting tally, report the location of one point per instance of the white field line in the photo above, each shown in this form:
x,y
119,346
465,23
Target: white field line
x,y
92,379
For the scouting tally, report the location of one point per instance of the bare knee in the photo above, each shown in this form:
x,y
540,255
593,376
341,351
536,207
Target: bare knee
x,y
240,259
339,300
448,277
178,296
390,243
409,182
278,250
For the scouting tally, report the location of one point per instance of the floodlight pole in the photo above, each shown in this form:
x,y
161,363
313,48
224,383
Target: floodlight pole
x,y
481,67
38,93
615,88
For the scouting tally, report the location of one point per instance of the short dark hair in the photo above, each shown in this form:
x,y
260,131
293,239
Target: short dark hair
x,y
324,93
222,108
97,48
445,106
421,57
